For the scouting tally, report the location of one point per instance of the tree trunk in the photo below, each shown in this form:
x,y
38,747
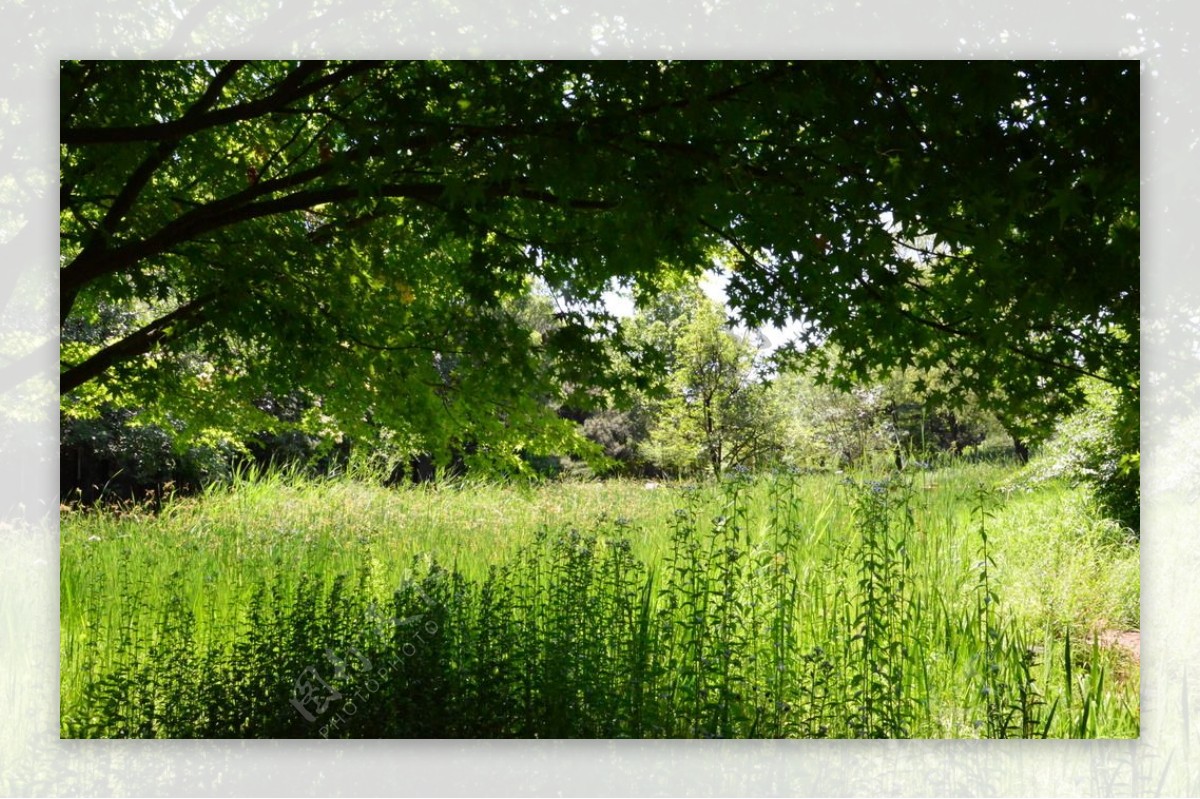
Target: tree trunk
x,y
1021,449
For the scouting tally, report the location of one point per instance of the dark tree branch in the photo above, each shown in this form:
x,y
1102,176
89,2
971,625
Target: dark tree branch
x,y
923,251
734,242
137,343
290,89
971,336
238,208
168,135
141,176
911,125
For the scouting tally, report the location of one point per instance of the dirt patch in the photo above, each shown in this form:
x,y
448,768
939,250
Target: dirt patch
x,y
1129,642
1127,646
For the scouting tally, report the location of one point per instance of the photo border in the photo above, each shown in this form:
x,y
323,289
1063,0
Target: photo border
x,y
33,761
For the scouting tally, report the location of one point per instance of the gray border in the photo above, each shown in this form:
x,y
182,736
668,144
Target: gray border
x,y
34,762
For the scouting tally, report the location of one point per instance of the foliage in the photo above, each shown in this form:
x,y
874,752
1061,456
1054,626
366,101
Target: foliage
x,y
925,421
718,413
114,456
621,433
782,606
1099,446
885,628
828,428
358,231
897,418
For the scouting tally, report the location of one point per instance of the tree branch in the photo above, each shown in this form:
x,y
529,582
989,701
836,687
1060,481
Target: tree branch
x,y
290,89
90,266
137,343
974,337
141,176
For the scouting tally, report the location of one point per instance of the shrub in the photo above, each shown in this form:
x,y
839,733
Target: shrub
x,y
116,456
1099,446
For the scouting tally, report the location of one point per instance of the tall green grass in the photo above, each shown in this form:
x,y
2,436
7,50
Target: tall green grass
x,y
773,606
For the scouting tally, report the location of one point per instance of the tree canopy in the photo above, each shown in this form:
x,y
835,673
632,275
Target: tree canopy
x,y
363,232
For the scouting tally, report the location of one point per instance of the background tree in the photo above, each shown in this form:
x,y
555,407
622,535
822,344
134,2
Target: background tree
x,y
719,412
896,419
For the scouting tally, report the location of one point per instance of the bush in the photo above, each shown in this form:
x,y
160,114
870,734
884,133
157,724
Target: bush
x,y
1099,446
114,456
621,433
118,455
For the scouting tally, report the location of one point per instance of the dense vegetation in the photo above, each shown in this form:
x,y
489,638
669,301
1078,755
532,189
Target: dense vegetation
x,y
347,248
278,274
953,602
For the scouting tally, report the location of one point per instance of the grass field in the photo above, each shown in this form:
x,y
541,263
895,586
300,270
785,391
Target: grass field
x,y
952,602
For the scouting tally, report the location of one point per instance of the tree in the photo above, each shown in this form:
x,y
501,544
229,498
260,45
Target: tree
x,y
353,229
719,412
897,418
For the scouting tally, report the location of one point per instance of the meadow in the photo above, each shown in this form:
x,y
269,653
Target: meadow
x,y
960,601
